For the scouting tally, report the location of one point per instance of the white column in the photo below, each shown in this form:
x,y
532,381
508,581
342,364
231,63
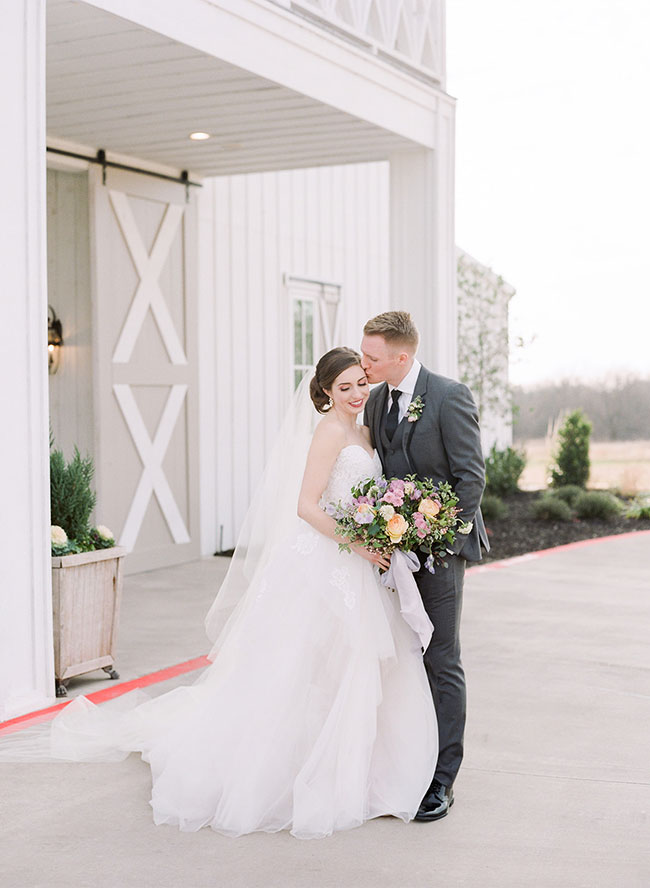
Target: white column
x,y
422,251
26,658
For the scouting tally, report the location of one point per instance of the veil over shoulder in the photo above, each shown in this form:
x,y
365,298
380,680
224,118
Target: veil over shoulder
x,y
272,512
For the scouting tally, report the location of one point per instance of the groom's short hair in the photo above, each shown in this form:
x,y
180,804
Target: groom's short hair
x,y
396,327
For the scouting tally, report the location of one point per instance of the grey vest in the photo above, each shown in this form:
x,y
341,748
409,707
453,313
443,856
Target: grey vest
x,y
395,463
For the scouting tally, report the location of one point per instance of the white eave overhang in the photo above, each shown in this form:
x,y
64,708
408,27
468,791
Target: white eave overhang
x,y
274,91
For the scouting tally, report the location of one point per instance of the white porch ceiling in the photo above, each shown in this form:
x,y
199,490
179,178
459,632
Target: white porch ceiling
x,y
114,84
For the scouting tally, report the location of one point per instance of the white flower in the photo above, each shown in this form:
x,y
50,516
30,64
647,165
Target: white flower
x,y
104,533
387,512
414,409
58,535
466,528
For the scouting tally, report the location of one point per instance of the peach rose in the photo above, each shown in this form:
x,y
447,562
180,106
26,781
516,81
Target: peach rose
x,y
396,528
429,507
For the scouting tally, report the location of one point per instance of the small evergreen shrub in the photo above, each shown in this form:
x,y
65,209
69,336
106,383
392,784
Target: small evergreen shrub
x,y
597,504
71,496
569,493
551,508
503,470
572,461
492,507
72,500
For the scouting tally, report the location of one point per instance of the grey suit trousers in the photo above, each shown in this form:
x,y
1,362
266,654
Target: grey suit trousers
x,y
442,594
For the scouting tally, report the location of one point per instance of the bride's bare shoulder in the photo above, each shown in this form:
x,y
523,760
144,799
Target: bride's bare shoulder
x,y
329,435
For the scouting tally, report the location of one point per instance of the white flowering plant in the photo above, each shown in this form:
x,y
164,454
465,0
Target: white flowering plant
x,y
407,514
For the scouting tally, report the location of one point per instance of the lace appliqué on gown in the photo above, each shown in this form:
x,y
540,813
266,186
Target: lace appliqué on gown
x,y
340,579
306,542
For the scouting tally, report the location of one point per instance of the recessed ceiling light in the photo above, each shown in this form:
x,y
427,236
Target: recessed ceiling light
x,y
199,137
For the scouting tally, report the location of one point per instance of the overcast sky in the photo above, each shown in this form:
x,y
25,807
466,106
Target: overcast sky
x,y
553,174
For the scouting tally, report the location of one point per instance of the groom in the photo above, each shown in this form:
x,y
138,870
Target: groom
x,y
444,444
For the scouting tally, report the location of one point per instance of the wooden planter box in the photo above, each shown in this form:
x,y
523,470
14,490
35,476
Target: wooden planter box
x,y
86,596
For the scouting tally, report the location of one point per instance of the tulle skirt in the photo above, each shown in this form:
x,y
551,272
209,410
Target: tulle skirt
x,y
314,716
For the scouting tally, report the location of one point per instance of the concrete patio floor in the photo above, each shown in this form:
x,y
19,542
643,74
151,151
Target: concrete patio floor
x,y
554,790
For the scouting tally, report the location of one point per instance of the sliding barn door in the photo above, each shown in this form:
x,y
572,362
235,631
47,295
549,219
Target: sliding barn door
x,y
143,246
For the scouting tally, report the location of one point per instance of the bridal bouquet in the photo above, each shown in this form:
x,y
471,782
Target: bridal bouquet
x,y
401,514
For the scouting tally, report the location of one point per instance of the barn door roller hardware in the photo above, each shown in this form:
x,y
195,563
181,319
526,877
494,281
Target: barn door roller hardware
x,y
100,158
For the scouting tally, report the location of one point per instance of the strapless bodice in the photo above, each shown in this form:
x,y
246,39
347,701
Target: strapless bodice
x,y
353,464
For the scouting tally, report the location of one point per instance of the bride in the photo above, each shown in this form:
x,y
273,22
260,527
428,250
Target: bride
x,y
315,714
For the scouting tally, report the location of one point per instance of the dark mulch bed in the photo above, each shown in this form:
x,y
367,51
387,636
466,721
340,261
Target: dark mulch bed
x,y
519,532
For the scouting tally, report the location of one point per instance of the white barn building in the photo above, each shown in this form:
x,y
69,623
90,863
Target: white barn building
x,y
194,279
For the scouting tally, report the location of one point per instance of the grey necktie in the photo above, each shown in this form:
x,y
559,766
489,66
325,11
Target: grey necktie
x,y
392,419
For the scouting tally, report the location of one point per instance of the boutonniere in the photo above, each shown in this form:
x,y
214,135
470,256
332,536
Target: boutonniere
x,y
414,409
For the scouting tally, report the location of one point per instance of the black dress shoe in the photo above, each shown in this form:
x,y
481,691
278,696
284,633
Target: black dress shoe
x,y
436,803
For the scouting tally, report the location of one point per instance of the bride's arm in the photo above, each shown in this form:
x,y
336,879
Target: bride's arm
x,y
326,445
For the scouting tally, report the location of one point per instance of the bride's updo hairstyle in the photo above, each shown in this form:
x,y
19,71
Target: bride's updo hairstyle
x,y
328,368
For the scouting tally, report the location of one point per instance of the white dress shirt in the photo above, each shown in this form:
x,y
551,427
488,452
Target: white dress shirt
x,y
406,387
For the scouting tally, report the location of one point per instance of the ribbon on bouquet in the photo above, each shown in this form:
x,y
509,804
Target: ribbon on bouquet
x,y
399,576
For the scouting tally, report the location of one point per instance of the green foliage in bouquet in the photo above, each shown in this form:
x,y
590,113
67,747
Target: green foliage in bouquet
x,y
572,461
503,470
407,513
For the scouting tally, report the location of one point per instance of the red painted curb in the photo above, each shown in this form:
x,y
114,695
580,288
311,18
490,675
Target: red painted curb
x,y
108,693
541,553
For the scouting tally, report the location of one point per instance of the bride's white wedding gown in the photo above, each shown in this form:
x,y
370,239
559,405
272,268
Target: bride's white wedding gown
x,y
315,715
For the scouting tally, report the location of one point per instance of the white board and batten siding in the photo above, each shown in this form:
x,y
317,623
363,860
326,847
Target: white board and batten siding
x,y
265,241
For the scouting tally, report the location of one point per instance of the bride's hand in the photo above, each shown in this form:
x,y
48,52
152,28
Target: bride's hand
x,y
378,558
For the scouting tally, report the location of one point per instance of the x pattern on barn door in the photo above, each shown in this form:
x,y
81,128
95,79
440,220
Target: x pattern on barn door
x,y
149,296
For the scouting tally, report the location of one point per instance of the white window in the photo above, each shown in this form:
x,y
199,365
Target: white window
x,y
315,316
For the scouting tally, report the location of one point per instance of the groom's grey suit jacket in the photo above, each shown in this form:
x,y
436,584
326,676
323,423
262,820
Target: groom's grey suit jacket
x,y
443,444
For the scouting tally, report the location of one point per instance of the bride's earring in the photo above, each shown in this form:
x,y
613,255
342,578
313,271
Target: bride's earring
x,y
330,403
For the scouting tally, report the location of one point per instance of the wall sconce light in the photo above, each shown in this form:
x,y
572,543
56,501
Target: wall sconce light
x,y
54,341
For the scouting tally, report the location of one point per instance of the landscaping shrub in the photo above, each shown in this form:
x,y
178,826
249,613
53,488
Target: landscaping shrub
x,y
569,494
492,507
638,508
503,470
597,504
551,508
572,461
